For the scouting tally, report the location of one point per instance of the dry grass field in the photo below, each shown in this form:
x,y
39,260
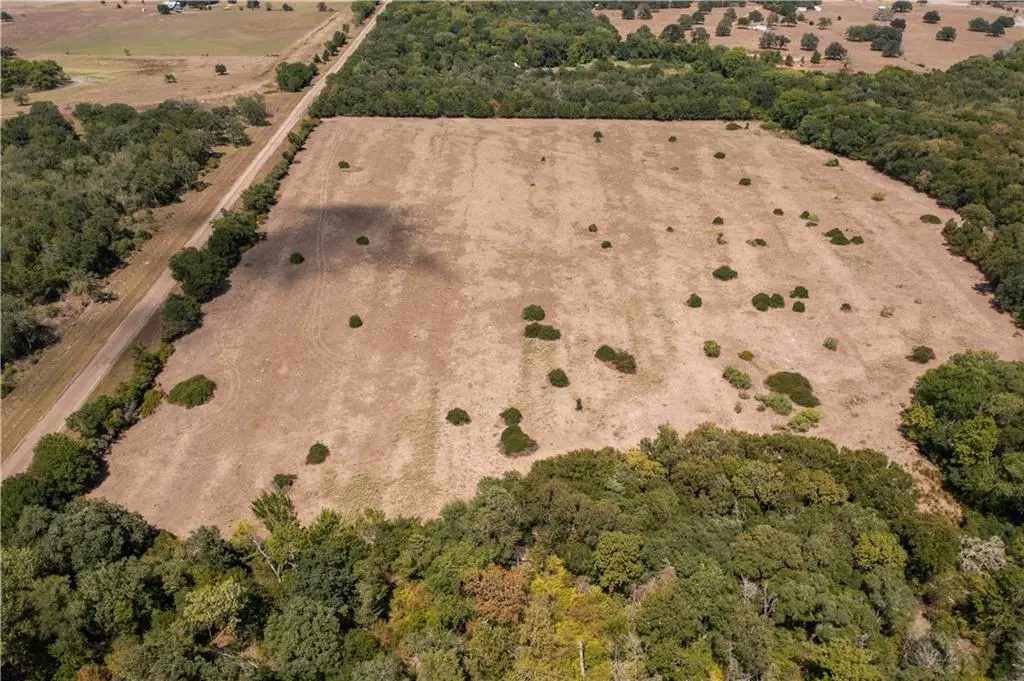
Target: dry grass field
x,y
122,55
921,52
469,221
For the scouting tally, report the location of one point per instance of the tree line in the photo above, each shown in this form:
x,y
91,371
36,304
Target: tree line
x,y
954,134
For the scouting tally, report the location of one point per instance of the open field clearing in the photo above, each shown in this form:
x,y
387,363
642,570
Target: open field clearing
x,y
122,55
467,225
921,51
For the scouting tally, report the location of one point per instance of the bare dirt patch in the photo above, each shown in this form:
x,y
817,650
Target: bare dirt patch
x,y
467,225
921,51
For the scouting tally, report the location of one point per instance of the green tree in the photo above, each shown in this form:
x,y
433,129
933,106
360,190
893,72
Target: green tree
x,y
616,559
305,641
181,315
62,466
931,17
946,34
202,274
879,550
809,42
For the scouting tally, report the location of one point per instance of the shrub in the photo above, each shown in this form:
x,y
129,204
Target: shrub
x,y
856,240
557,378
757,242
220,70
284,481
181,315
192,392
150,401
794,385
761,301
344,165
737,378
780,404
799,292
511,416
946,34
719,154
317,453
457,417
831,343
363,240
296,258
712,348
930,219
799,306
514,441
777,301
542,332
606,244
732,126
292,77
745,181
836,237
846,307
669,229
887,311
672,138
725,273
597,136
718,220
579,404
694,300
878,196
804,420
592,228
832,163
622,361
605,353
62,466
533,313
778,211
746,356
922,354
354,322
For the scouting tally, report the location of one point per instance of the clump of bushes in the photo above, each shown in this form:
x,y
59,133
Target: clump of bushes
x,y
317,453
746,356
363,240
150,401
804,420
606,244
515,442
592,228
878,196
192,392
725,273
669,229
831,343
737,378
930,219
922,354
778,211
732,126
672,138
557,378
718,220
354,322
832,163
622,361
457,417
846,307
799,306
296,258
694,301
181,314
763,301
719,154
745,181
838,238
533,313
511,416
542,332
809,216
344,165
799,292
793,385
284,481
712,348
778,403
598,136
757,242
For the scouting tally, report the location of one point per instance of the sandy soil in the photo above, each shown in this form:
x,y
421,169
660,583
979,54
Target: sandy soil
x,y
122,55
921,51
468,225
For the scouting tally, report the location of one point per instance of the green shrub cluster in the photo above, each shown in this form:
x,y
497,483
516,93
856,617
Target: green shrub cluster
x,y
832,163
542,332
763,301
296,258
511,416
622,361
838,238
457,417
344,165
514,442
592,228
719,154
930,219
757,242
294,76
284,481
725,273
804,420
922,354
799,292
694,301
606,244
746,356
712,348
799,306
737,378
745,181
793,385
192,392
363,240
718,220
181,314
533,313
557,378
778,211
317,453
831,343
778,403
355,321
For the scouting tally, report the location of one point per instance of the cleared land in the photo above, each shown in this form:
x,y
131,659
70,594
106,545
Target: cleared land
x,y
921,51
467,225
122,55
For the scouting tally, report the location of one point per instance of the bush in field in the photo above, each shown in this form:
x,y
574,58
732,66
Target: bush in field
x,y
746,356
718,220
284,481
292,77
670,229
557,378
719,154
605,353
694,300
757,243
799,292
878,196
712,348
832,163
778,211
344,165
533,313
737,378
732,126
725,273
355,321
220,70
606,244
317,453
363,240
597,136
930,219
514,441
777,301
795,386
457,417
761,301
745,181
835,52
946,34
622,361
296,258
922,354
63,467
192,392
804,420
780,404
542,332
672,138
181,315
150,401
831,343
799,306
592,228
846,307
511,416
931,17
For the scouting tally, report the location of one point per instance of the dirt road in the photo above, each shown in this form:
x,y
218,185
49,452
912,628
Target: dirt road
x,y
79,389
